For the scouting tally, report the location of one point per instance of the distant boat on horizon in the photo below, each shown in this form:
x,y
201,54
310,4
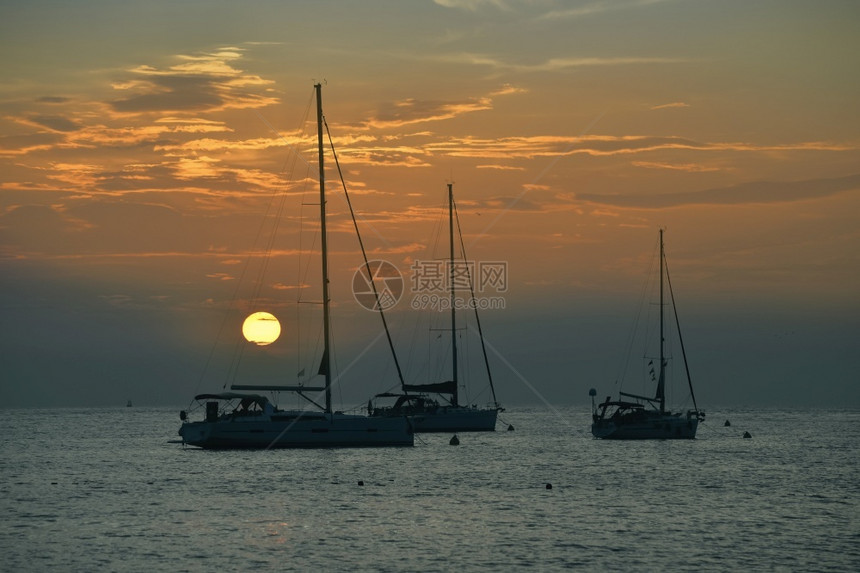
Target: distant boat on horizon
x,y
243,420
417,400
128,404
642,417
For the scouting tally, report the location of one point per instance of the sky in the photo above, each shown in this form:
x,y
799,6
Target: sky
x,y
146,149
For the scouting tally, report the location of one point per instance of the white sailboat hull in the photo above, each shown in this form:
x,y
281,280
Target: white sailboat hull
x,y
297,430
656,427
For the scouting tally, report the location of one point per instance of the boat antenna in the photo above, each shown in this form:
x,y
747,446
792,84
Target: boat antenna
x,y
325,365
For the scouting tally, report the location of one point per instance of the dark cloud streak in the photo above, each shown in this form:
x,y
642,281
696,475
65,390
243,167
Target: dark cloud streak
x,y
173,93
56,122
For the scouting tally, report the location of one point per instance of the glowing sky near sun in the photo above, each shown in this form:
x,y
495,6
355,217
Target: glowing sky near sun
x,y
141,142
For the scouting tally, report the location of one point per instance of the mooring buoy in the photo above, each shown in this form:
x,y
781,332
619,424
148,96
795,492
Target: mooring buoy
x,y
727,424
360,482
510,427
549,486
747,435
455,441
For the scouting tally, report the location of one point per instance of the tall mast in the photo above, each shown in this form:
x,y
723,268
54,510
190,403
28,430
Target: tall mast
x,y
661,384
325,365
453,311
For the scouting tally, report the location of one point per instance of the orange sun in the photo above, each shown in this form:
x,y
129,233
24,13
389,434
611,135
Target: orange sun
x,y
261,328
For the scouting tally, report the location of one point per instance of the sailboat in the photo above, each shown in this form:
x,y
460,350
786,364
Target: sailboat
x,y
251,420
633,417
418,401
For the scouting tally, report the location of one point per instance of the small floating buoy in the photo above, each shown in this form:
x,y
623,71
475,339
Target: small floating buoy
x,y
455,441
510,427
747,435
727,424
360,482
549,486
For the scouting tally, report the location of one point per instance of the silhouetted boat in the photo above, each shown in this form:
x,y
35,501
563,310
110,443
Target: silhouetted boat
x,y
436,407
642,417
242,420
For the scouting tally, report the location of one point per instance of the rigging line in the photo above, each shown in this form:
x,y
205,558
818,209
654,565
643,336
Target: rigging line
x,y
363,220
303,277
267,251
421,340
290,169
309,164
342,373
680,338
254,301
235,296
265,256
238,349
529,385
435,362
335,369
295,421
364,255
299,279
294,156
637,317
232,371
304,121
472,293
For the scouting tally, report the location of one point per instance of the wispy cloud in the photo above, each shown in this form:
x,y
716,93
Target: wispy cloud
x,y
675,104
744,193
500,167
55,122
194,83
596,8
553,64
412,111
472,5
688,167
220,276
529,147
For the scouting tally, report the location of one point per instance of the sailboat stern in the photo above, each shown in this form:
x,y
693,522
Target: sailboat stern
x,y
644,425
256,424
297,430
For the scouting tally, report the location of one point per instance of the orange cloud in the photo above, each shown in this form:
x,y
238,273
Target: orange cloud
x,y
196,83
500,167
671,105
414,111
688,167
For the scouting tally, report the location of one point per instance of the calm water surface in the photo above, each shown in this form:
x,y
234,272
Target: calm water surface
x,y
102,489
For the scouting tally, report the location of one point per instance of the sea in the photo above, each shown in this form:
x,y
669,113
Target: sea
x,y
110,490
